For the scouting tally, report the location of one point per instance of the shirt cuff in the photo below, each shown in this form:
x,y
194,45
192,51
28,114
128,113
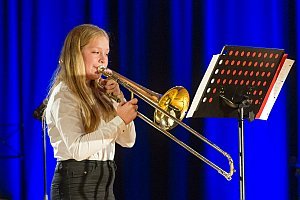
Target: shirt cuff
x,y
120,123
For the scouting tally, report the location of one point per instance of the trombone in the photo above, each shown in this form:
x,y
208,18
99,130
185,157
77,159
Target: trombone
x,y
170,109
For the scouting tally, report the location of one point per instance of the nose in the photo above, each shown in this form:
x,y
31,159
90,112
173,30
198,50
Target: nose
x,y
101,58
101,61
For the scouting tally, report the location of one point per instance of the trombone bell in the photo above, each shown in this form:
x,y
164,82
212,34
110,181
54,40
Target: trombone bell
x,y
175,102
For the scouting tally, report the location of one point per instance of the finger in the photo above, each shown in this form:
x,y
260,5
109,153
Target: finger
x,y
103,81
114,91
111,82
133,101
109,91
112,86
122,103
108,71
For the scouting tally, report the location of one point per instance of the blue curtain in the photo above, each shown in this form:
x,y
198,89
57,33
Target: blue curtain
x,y
255,23
158,44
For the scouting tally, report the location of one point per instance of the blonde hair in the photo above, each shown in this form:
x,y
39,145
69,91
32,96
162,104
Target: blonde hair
x,y
71,70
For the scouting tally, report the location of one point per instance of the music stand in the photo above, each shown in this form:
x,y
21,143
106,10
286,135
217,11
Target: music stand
x,y
244,83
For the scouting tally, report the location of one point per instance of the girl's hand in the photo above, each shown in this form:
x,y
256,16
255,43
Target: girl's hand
x,y
128,110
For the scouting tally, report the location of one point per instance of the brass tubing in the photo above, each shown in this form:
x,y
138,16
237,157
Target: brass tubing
x,y
152,99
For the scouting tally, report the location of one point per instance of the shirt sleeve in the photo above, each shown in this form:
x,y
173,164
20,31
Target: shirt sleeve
x,y
80,144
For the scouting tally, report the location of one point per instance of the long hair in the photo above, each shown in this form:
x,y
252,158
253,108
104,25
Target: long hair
x,y
71,70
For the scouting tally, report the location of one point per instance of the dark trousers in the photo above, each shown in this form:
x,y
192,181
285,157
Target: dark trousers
x,y
87,179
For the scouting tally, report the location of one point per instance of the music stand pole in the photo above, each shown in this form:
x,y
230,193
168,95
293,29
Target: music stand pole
x,y
241,153
240,107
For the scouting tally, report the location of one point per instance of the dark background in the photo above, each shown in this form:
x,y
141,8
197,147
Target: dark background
x,y
158,44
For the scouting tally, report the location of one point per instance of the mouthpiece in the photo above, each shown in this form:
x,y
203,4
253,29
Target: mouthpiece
x,y
101,68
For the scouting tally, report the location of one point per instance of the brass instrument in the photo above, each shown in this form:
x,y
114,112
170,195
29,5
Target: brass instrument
x,y
170,109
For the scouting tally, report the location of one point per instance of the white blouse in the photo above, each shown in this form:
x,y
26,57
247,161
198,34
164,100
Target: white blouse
x,y
67,135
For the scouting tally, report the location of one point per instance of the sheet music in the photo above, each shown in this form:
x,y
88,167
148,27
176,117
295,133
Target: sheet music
x,y
276,89
202,85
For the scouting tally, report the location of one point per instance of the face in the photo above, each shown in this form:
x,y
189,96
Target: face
x,y
95,53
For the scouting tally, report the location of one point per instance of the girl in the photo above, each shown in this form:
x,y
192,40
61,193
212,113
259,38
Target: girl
x,y
83,123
